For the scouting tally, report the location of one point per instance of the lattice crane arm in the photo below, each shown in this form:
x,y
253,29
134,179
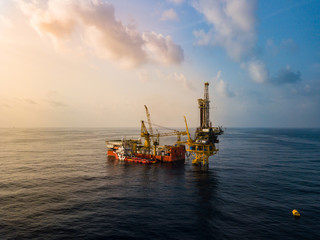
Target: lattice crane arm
x,y
169,134
189,138
149,123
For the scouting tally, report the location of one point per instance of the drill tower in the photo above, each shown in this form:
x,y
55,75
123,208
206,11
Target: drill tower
x,y
204,108
206,136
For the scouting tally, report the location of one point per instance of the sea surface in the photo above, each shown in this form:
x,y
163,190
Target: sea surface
x,y
59,184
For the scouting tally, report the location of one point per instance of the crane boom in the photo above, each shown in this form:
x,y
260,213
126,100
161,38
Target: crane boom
x,y
169,134
174,133
145,135
149,122
189,139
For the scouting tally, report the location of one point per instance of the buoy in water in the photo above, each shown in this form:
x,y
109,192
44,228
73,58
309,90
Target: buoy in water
x,y
295,213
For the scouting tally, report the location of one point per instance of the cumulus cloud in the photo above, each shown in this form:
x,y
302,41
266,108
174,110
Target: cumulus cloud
x,y
181,79
170,15
286,76
161,49
203,38
94,22
221,87
259,74
233,25
257,71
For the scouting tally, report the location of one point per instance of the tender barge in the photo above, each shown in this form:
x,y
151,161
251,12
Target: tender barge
x,y
133,151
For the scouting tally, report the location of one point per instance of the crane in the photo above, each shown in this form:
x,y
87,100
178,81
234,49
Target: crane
x,y
174,133
145,134
150,125
155,137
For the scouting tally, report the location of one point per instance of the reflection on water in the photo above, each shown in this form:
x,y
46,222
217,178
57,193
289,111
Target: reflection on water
x,y
207,208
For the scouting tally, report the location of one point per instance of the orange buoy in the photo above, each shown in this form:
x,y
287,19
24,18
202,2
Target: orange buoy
x,y
295,213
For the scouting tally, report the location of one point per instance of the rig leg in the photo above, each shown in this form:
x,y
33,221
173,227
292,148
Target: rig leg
x,y
196,161
201,159
205,161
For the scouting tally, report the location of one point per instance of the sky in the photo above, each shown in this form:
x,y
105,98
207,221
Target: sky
x,y
96,63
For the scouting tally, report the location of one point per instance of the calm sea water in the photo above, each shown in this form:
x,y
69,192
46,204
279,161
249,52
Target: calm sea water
x,y
59,184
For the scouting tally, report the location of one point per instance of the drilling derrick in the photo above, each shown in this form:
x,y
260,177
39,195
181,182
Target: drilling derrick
x,y
206,136
204,108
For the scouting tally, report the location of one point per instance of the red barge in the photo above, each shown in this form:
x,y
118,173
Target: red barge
x,y
133,151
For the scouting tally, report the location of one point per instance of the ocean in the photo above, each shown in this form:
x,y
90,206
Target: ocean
x,y
59,184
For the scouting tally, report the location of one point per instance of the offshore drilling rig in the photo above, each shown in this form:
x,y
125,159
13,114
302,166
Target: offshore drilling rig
x,y
200,148
203,145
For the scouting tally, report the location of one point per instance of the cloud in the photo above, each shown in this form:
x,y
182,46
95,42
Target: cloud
x,y
93,22
181,78
233,25
177,2
259,74
286,76
221,87
160,49
203,38
168,78
257,71
169,15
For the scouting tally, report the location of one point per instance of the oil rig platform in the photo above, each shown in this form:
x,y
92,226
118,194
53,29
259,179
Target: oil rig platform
x,y
199,148
204,143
